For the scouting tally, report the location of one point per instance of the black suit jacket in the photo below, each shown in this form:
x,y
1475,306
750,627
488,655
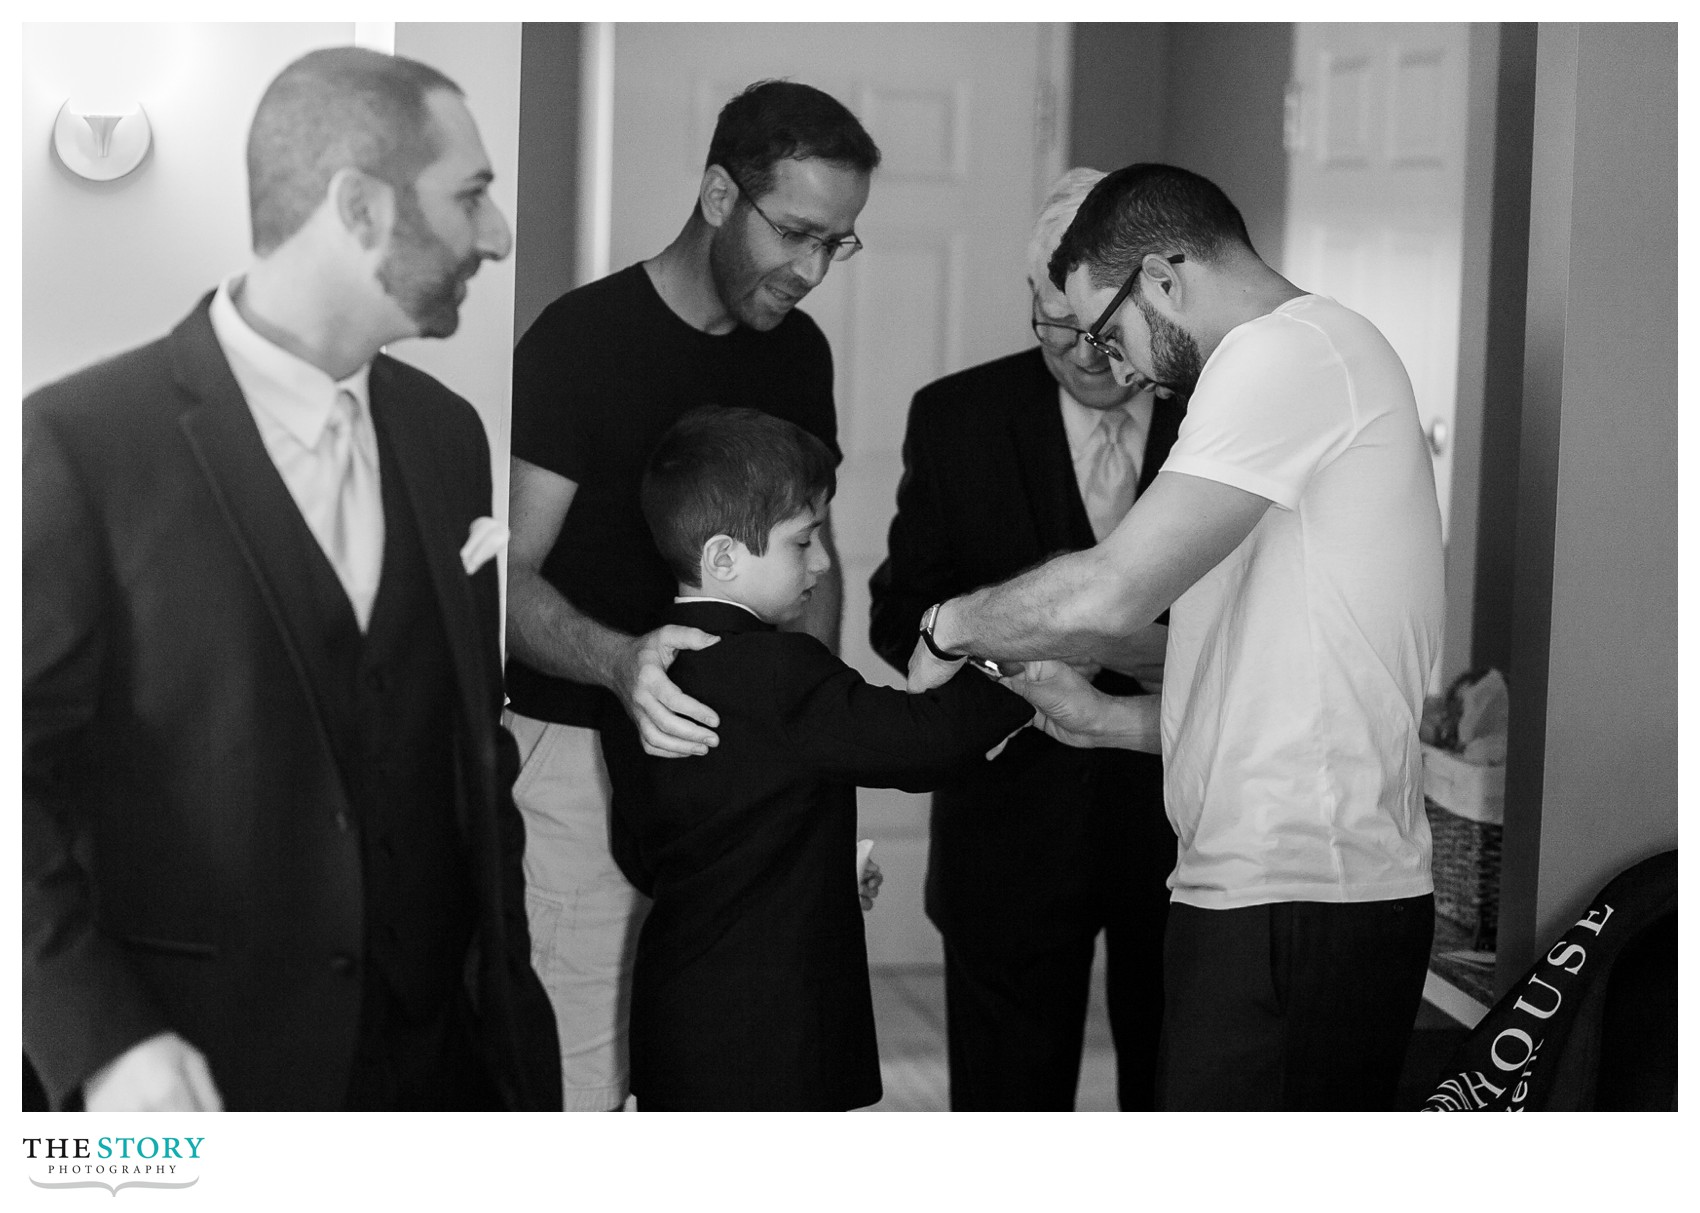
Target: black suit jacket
x,y
750,989
188,858
1019,857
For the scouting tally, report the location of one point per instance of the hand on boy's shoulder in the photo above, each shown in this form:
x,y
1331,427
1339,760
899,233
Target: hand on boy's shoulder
x,y
670,723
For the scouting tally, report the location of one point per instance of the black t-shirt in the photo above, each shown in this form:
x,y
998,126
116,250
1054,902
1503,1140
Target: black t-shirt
x,y
598,379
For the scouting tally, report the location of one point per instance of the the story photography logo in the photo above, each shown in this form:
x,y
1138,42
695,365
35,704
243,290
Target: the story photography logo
x,y
113,1163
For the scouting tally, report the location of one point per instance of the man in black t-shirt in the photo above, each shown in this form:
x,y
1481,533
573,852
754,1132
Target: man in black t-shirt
x,y
598,378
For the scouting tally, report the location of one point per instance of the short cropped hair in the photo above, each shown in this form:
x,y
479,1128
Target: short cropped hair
x,y
1055,216
341,107
776,120
736,472
1143,209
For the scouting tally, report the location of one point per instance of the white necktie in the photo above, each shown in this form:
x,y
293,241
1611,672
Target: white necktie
x,y
1110,482
348,510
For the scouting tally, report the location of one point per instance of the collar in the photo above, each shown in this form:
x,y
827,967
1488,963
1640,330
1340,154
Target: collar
x,y
716,615
290,390
1079,422
706,598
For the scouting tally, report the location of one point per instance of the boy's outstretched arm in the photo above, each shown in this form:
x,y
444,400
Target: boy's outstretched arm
x,y
833,721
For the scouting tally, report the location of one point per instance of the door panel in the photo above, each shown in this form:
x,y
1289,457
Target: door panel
x,y
967,153
1375,207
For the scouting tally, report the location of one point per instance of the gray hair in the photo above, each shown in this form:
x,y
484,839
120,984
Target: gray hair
x,y
1057,213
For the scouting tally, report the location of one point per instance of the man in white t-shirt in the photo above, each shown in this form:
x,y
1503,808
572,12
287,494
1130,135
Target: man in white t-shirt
x,y
1294,533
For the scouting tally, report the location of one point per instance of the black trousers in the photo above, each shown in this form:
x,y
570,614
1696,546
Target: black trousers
x,y
406,1064
1017,980
1300,1006
1016,1025
1030,862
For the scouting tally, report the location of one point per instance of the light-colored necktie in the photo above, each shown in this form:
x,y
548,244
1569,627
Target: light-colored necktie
x,y
349,506
1110,480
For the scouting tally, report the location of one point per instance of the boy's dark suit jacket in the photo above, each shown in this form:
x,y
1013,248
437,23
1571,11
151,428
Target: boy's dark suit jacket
x,y
989,490
190,858
751,983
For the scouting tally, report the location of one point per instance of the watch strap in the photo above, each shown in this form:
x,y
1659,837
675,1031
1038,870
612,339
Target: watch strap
x,y
927,621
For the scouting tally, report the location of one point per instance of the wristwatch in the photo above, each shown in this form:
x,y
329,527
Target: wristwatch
x,y
928,619
985,665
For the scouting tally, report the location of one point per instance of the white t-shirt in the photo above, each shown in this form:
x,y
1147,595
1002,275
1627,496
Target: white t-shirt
x,y
1296,668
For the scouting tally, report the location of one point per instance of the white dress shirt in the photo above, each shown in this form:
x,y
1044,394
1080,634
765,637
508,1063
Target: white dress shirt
x,y
1079,422
291,401
706,598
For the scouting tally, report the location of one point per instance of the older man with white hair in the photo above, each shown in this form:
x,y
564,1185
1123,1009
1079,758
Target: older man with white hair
x,y
1045,847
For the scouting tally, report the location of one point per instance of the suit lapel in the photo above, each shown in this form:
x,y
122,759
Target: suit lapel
x,y
1166,417
422,478
255,504
1047,470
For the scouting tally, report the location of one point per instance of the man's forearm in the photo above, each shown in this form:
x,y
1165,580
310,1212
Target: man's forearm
x,y
1084,602
1068,607
554,637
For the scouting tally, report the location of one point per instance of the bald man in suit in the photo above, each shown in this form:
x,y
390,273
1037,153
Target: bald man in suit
x,y
271,856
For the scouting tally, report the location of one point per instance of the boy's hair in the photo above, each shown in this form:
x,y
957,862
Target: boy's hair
x,y
776,120
736,472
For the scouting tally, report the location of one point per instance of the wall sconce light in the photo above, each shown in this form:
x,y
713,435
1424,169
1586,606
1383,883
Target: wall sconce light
x,y
101,147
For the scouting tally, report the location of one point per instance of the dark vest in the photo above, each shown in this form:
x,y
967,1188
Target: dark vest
x,y
392,717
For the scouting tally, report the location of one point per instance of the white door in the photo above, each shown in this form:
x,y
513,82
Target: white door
x,y
1375,194
964,116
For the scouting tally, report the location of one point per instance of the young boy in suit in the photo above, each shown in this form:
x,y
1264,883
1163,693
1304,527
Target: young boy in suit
x,y
750,990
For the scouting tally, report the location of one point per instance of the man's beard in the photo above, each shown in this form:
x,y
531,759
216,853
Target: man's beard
x,y
420,273
738,282
1176,362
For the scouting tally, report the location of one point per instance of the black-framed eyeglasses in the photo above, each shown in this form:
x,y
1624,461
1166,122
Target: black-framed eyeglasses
x,y
803,244
1091,334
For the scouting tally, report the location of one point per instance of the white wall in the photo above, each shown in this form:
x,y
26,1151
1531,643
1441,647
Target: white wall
x,y
484,59
1600,426
110,265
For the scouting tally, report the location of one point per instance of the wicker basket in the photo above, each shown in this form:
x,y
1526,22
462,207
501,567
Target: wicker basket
x,y
1466,873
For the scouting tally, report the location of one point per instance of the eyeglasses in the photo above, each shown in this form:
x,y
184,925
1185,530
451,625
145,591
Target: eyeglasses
x,y
1091,334
803,244
1058,338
